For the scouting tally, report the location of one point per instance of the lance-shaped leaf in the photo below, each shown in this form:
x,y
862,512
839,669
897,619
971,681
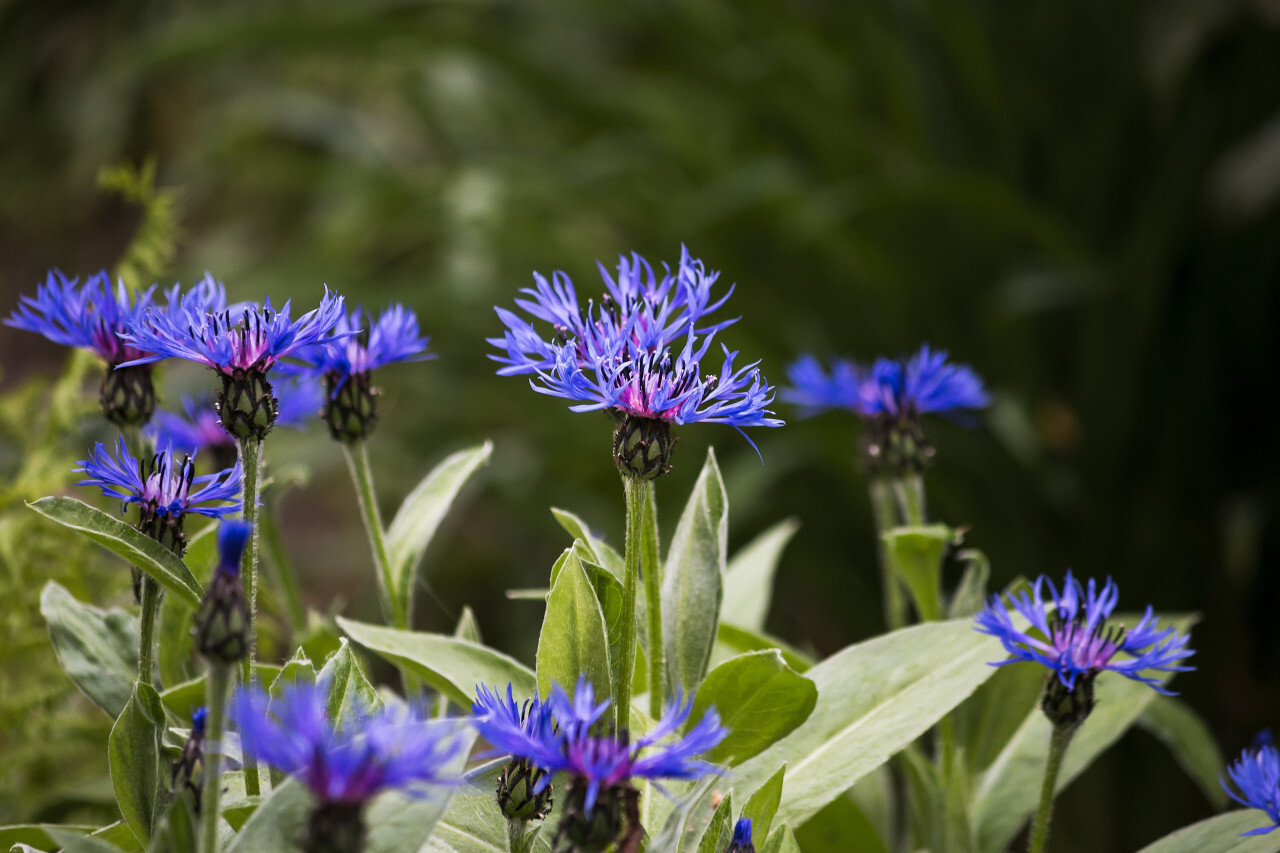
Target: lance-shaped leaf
x,y
574,640
1219,834
760,700
602,553
133,753
350,693
453,666
748,580
98,649
763,804
420,515
123,539
692,579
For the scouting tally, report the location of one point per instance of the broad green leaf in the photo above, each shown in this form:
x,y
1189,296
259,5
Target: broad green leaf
x,y
601,552
732,641
1221,834
296,670
98,649
715,837
420,515
915,553
609,594
1190,741
122,539
35,835
452,666
73,842
177,830
985,724
133,753
350,693
1006,793
971,594
574,640
397,822
748,580
781,840
763,804
760,700
692,579
841,826
120,835
874,698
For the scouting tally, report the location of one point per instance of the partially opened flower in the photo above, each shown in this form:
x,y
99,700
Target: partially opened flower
x,y
346,366
1074,641
94,316
741,842
639,355
344,765
241,344
1255,781
600,763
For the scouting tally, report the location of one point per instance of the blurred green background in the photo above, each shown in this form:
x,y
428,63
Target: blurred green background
x,y
1078,199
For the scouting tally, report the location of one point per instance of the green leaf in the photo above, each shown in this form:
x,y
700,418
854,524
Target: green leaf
x,y
34,834
971,595
574,640
175,643
692,579
874,698
397,822
715,837
133,753
1190,741
985,724
748,580
760,700
1006,793
452,666
74,842
98,649
177,829
420,515
1219,834
296,670
781,840
468,628
351,696
120,835
601,552
474,824
732,641
609,592
763,804
122,539
915,553
182,699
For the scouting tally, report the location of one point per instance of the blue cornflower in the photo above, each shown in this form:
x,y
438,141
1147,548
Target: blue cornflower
x,y
1255,781
1076,642
345,365
95,316
741,842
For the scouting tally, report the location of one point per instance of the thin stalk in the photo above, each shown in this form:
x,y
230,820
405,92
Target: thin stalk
x,y
147,629
1058,743
910,491
217,685
885,513
635,492
250,450
282,573
362,476
518,841
652,571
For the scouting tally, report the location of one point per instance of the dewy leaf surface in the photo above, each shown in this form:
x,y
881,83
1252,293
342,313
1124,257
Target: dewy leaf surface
x,y
98,649
874,698
450,665
692,579
574,640
748,580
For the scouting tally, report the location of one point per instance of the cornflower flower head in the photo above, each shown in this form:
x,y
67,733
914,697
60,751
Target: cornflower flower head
x,y
638,355
1075,643
741,842
1255,781
94,316
600,763
241,344
524,789
223,624
164,488
346,366
344,765
891,396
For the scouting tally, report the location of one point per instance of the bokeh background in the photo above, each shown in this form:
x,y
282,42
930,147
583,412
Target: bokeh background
x,y
1078,199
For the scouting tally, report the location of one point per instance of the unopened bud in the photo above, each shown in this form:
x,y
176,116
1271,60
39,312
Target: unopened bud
x,y
128,395
351,406
222,625
642,447
516,791
246,405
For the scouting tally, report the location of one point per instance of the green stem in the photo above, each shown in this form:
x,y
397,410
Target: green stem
x,y
282,573
1058,743
217,685
885,511
362,476
910,491
147,631
517,839
635,493
652,572
250,450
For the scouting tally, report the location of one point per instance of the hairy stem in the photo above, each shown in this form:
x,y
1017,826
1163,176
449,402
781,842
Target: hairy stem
x,y
652,571
217,685
1058,743
357,455
147,632
635,493
251,461
885,512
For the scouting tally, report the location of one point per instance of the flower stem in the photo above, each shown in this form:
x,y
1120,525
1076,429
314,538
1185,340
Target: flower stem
x,y
910,490
1058,742
652,571
357,455
518,841
147,631
885,511
251,461
217,684
635,493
